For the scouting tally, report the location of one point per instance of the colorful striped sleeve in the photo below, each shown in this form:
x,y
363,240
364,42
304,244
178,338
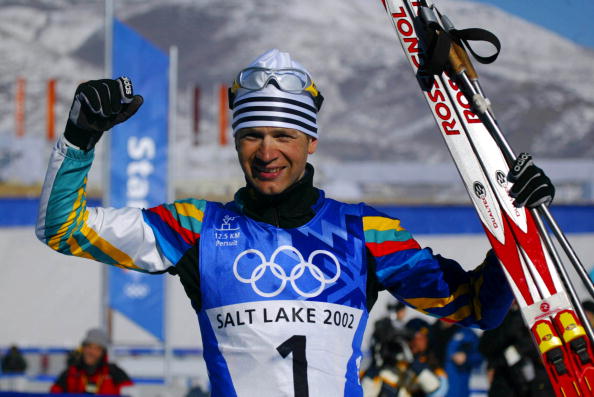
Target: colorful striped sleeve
x,y
384,236
176,226
430,283
120,237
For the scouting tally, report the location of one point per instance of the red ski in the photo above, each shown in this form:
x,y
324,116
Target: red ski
x,y
540,284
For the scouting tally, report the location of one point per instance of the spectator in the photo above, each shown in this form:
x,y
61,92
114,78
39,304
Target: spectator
x,y
392,323
397,312
14,362
513,360
461,357
404,366
92,373
440,334
197,391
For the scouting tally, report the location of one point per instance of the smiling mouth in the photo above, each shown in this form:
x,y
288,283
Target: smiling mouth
x,y
267,173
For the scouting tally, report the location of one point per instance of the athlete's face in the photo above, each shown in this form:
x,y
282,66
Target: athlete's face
x,y
273,158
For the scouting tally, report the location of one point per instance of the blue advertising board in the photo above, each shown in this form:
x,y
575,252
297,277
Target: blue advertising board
x,y
138,168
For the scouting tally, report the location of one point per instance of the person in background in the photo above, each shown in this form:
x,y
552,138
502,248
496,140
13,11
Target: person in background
x,y
513,362
92,373
440,334
13,361
397,313
386,329
461,357
403,365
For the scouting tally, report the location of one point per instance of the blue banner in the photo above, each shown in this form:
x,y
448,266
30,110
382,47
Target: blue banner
x,y
139,297
138,167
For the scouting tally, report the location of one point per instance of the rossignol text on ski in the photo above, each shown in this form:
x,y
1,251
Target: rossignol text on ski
x,y
436,52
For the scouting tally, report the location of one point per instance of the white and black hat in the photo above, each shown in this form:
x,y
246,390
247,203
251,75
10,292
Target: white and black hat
x,y
275,91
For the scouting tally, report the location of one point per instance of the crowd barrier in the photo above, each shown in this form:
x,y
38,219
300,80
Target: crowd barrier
x,y
144,364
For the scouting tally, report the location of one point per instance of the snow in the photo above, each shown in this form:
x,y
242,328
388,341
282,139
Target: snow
x,y
541,85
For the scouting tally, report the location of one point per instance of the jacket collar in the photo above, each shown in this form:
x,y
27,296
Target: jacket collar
x,y
292,208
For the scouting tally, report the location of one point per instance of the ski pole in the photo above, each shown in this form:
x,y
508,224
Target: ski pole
x,y
532,269
473,86
461,63
460,66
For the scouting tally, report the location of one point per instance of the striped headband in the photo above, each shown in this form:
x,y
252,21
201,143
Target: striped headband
x,y
271,107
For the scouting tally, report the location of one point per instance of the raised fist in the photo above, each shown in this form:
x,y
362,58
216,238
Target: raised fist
x,y
99,105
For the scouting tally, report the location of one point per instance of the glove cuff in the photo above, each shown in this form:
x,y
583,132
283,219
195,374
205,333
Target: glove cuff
x,y
81,138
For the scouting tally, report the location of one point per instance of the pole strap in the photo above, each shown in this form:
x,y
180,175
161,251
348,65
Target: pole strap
x,y
437,34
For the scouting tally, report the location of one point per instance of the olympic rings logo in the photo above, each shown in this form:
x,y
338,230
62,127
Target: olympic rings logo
x,y
136,290
296,272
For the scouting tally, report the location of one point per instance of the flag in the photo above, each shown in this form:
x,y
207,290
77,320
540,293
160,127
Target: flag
x,y
138,168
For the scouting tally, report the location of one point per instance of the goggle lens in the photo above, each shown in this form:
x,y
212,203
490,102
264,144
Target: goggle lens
x,y
291,80
287,79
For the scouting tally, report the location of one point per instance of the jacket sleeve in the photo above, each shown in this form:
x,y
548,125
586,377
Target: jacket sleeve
x,y
59,385
120,377
431,283
144,240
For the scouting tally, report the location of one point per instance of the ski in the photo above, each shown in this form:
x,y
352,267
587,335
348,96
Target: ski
x,y
525,252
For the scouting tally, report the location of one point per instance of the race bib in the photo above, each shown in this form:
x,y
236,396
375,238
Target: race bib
x,y
287,348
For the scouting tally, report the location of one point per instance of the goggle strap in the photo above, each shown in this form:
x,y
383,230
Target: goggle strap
x,y
318,100
231,92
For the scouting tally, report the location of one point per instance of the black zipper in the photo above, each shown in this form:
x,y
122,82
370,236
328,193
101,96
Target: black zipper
x,y
275,216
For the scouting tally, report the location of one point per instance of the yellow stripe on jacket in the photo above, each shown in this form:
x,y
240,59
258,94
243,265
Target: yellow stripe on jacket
x,y
54,241
381,223
428,303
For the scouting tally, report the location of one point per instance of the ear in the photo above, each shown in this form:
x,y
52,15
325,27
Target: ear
x,y
312,145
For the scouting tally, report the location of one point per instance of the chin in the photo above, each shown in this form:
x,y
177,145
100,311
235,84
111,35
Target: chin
x,y
268,189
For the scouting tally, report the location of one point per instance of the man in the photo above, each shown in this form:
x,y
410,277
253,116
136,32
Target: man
x,y
13,361
396,314
282,278
386,333
405,367
514,365
92,373
461,358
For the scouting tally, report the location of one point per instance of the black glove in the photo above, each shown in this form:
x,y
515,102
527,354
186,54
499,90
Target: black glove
x,y
531,187
99,105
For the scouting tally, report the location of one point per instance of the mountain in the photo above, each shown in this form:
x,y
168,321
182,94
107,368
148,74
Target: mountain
x,y
541,85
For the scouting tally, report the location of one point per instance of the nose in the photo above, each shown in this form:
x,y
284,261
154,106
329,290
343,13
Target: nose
x,y
267,150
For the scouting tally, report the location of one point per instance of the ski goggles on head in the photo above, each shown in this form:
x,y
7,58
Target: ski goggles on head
x,y
290,80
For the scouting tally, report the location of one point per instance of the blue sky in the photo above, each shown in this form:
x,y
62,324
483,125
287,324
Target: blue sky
x,y
573,19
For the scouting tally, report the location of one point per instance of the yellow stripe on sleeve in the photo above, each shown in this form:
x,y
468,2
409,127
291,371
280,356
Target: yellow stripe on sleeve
x,y
476,302
189,210
381,223
428,303
54,242
105,246
460,314
77,250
